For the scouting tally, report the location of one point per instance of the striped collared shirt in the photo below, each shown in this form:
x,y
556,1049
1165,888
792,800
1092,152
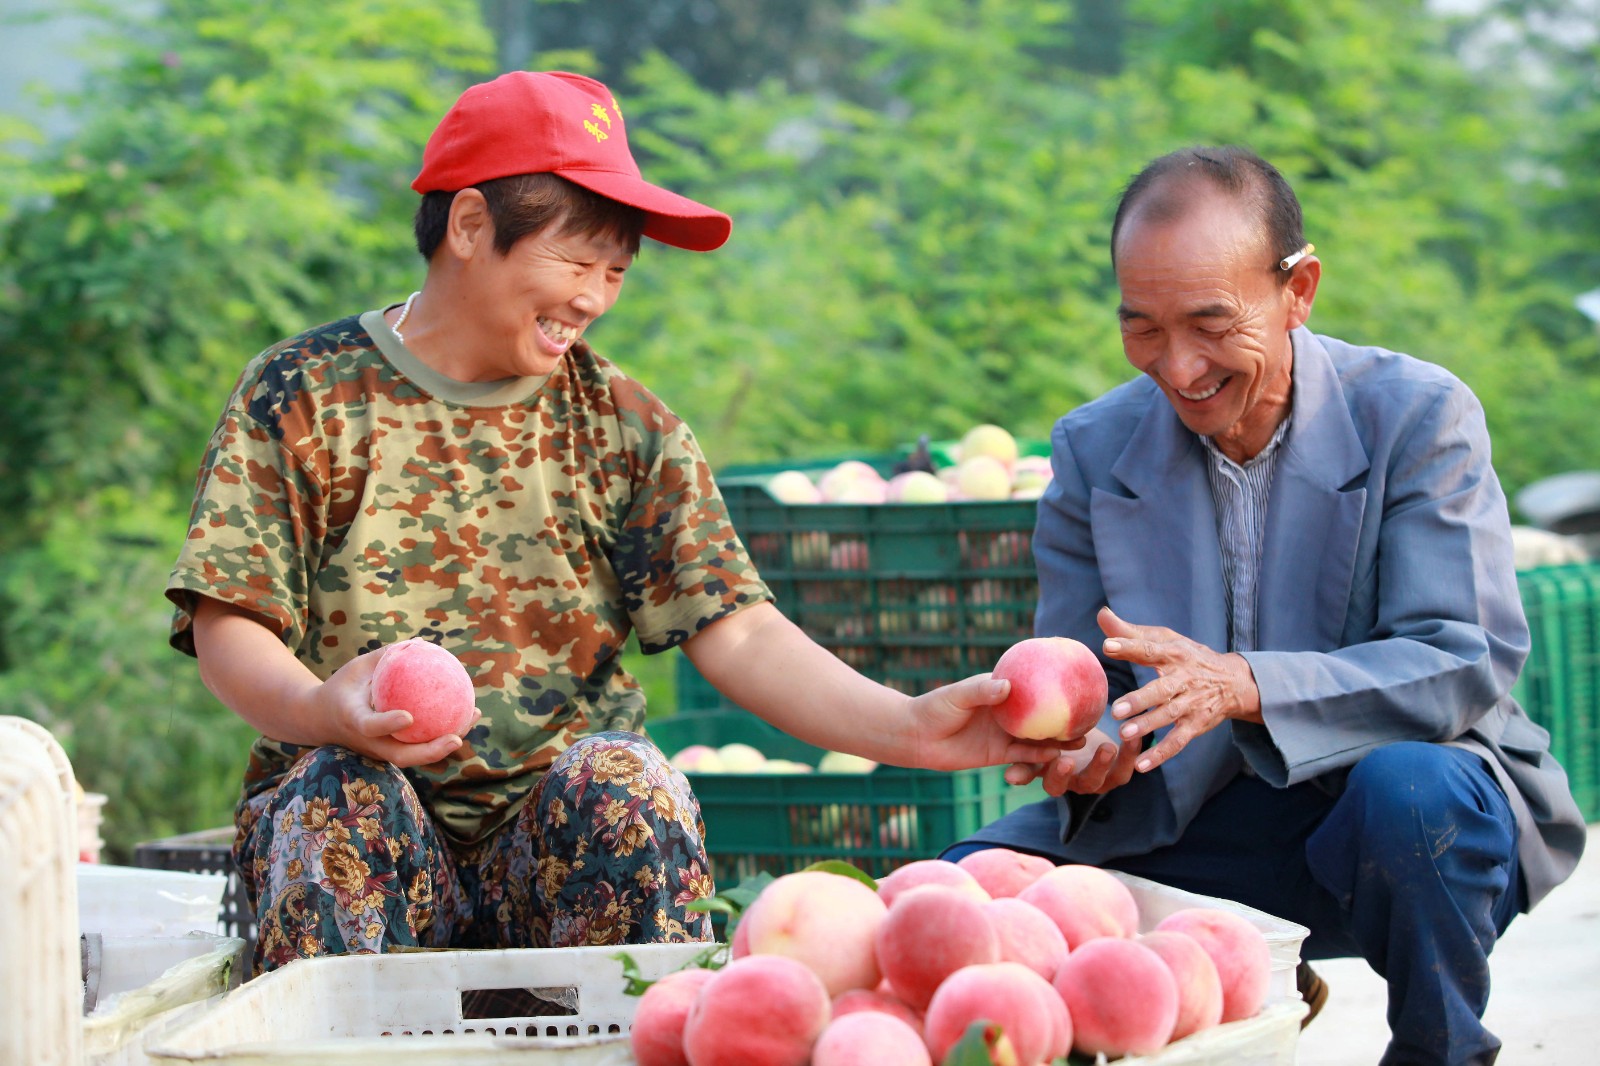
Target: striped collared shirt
x,y
1240,495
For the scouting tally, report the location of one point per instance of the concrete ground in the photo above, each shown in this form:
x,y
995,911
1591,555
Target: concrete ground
x,y
1546,974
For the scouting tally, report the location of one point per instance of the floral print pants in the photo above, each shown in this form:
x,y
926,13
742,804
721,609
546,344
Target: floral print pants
x,y
341,857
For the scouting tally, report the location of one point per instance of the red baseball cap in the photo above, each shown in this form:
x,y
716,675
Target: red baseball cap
x,y
552,122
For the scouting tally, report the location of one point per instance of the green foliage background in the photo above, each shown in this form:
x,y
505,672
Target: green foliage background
x,y
921,190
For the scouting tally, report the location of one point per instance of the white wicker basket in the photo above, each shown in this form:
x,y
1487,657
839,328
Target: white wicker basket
x,y
41,989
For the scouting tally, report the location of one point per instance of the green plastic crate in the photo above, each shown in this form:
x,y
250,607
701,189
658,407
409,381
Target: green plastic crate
x,y
1560,683
779,823
912,595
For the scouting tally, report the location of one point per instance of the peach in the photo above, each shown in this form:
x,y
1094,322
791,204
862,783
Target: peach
x,y
898,829
881,999
1027,935
1239,950
740,758
994,608
1122,997
937,610
1031,474
843,762
657,1035
761,1010
419,676
851,481
1199,987
1058,689
869,1038
1085,902
990,440
697,759
793,487
928,872
1011,996
1004,872
849,555
931,932
916,486
983,477
828,922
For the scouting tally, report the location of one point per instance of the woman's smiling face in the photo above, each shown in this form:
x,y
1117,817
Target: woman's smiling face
x,y
535,301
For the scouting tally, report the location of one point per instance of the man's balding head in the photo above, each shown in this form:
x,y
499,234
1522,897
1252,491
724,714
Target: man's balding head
x,y
1168,187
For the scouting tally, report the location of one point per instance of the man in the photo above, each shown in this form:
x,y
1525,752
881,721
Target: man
x,y
1296,557
465,468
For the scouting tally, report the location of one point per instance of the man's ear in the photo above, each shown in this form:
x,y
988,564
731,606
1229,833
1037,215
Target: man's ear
x,y
1301,291
470,228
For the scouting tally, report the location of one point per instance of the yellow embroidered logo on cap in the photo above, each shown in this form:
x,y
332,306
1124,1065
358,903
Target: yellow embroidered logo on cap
x,y
599,134
599,111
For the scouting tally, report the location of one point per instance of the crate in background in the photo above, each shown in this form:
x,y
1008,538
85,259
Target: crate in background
x,y
912,595
778,823
1560,683
207,851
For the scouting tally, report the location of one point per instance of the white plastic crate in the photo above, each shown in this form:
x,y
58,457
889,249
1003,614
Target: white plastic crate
x,y
132,901
41,994
138,1007
348,1010
344,1010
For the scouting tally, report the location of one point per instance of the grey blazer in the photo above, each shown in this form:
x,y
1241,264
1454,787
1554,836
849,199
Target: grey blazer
x,y
1388,605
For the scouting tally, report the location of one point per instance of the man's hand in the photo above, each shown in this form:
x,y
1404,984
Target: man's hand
x,y
1197,690
1099,765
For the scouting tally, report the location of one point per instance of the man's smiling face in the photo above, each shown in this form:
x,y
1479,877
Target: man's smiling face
x,y
1204,314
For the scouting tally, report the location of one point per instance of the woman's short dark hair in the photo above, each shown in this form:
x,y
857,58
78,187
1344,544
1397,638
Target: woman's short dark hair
x,y
1165,188
524,204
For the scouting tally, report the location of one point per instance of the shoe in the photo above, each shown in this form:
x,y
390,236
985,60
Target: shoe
x,y
1312,989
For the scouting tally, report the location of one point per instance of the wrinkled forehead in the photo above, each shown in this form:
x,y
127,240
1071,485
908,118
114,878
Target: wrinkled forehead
x,y
1192,218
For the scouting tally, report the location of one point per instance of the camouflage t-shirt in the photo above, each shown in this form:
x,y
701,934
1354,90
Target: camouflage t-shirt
x,y
350,497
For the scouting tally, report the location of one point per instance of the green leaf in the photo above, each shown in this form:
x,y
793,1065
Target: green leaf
x,y
734,900
844,869
975,1048
633,982
714,957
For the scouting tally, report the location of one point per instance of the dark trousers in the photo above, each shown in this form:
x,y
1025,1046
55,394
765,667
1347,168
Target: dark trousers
x,y
1413,867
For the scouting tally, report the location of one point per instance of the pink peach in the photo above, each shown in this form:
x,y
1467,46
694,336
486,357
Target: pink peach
x,y
928,872
657,1035
419,676
826,921
881,999
869,1038
1085,902
1027,935
1011,996
1122,998
1004,872
1239,950
761,1010
931,932
1058,689
1199,987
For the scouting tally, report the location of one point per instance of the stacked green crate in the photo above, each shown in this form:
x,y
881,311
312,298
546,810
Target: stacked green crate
x,y
912,595
777,823
1560,683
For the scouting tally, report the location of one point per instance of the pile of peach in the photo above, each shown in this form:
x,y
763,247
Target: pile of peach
x,y
1049,959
